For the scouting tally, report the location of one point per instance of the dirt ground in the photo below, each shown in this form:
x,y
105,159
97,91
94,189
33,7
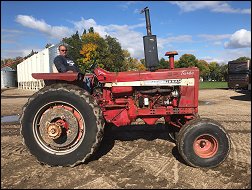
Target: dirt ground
x,y
137,157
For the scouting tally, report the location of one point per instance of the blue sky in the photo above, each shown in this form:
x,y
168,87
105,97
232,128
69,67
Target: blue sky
x,y
211,30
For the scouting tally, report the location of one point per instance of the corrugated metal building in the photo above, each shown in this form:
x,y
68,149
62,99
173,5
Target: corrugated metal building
x,y
8,77
42,62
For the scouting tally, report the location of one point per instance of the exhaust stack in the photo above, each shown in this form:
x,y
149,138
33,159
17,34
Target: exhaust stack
x,y
150,44
147,19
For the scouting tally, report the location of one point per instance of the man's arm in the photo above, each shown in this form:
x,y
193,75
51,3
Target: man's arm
x,y
73,68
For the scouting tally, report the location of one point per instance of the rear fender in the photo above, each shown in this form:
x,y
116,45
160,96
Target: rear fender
x,y
50,78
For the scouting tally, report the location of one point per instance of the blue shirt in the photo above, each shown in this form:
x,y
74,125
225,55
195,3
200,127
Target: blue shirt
x,y
64,64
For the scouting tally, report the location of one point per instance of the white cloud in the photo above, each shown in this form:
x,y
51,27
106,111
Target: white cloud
x,y
162,42
11,31
214,6
86,24
232,54
129,39
217,43
226,55
181,38
12,53
137,25
9,36
210,59
240,39
212,37
137,11
7,41
58,32
126,36
127,4
187,50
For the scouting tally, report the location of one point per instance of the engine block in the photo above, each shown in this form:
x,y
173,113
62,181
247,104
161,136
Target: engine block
x,y
148,95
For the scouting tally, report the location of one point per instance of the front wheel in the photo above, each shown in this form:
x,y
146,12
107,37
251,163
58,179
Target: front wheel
x,y
203,143
62,125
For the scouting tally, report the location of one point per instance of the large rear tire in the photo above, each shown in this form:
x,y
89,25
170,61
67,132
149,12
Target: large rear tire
x,y
203,143
62,125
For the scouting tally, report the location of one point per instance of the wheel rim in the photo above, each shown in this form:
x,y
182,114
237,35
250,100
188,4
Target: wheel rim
x,y
59,128
205,146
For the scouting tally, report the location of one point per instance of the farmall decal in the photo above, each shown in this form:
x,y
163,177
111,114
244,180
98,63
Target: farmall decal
x,y
187,73
164,82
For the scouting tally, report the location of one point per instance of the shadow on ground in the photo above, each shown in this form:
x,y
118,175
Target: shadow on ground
x,y
131,133
244,95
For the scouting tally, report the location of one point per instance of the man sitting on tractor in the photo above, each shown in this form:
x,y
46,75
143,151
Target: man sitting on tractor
x,y
64,64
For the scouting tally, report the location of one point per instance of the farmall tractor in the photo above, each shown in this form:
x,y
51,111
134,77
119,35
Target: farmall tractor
x,y
63,123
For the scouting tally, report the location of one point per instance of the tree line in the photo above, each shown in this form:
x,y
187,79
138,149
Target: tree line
x,y
107,52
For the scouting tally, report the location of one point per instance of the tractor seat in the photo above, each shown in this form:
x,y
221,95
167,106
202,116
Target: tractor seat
x,y
54,69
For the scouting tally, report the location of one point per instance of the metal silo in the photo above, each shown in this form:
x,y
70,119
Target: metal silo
x,y
8,77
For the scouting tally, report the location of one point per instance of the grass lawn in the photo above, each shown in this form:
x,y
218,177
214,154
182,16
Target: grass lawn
x,y
212,85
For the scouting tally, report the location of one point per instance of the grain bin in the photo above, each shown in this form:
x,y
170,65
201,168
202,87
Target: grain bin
x,y
8,77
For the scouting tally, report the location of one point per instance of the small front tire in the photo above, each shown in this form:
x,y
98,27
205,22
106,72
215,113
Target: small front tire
x,y
203,143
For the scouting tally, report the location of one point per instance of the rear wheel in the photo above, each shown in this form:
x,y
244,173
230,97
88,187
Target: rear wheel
x,y
203,143
62,125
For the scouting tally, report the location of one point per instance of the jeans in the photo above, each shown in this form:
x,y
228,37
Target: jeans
x,y
87,84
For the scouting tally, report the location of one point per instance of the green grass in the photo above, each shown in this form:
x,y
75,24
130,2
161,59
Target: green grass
x,y
213,85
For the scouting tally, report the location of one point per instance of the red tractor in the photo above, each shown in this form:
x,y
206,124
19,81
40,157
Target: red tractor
x,y
63,123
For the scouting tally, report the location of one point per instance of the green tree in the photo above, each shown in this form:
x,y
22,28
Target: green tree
x,y
187,60
142,61
74,44
12,62
5,61
163,64
115,56
224,72
176,64
94,49
91,30
133,64
243,59
30,54
48,45
215,71
204,69
107,53
84,32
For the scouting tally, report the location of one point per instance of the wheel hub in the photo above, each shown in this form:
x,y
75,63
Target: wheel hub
x,y
202,144
59,127
54,130
205,146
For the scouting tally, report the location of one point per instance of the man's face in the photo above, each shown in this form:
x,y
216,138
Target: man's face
x,y
63,50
